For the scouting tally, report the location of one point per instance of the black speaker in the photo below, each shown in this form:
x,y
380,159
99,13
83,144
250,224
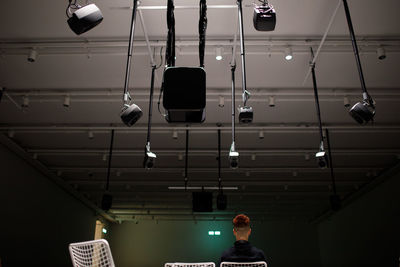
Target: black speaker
x,y
202,202
85,19
106,202
264,18
362,112
184,94
222,202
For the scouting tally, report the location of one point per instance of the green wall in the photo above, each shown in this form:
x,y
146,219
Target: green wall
x,y
38,219
151,244
366,232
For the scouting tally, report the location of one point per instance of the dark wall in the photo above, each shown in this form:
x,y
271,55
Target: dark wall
x,y
365,233
37,219
151,244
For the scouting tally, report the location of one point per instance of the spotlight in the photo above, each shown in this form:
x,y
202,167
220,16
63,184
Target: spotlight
x,y
83,18
362,112
25,102
264,17
245,114
32,55
271,101
322,159
381,53
253,157
346,102
149,158
130,114
233,157
90,135
218,53
261,135
221,102
175,134
67,101
288,53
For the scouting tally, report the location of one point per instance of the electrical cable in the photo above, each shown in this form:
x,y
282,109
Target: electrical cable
x,y
109,159
170,50
186,158
202,30
330,162
246,94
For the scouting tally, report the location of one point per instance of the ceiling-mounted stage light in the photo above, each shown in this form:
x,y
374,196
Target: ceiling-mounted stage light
x,y
175,134
253,157
25,102
32,55
381,53
288,53
67,101
221,102
363,112
264,17
218,53
261,134
271,101
149,158
233,157
90,135
346,102
82,18
322,159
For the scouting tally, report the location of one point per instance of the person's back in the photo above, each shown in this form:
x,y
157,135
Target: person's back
x,y
242,251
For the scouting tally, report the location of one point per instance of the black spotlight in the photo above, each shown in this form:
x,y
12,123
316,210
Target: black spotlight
x,y
335,202
322,159
362,112
233,157
245,114
264,17
130,114
149,157
222,201
202,201
106,202
83,18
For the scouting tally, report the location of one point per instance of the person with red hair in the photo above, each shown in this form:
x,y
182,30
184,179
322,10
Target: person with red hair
x,y
242,250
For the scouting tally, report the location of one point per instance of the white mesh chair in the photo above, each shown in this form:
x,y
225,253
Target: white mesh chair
x,y
94,253
244,264
193,264
169,264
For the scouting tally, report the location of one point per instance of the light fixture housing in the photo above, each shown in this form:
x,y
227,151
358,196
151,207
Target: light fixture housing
x,y
261,134
271,101
381,52
233,157
221,102
67,101
322,159
175,134
90,135
85,18
362,112
25,102
346,102
218,53
32,55
288,53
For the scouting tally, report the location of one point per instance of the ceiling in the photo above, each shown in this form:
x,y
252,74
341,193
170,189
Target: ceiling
x,y
277,175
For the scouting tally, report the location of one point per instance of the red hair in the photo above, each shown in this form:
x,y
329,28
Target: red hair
x,y
241,221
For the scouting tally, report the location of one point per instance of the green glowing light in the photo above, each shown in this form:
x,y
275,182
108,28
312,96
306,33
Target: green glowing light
x,y
210,232
104,230
217,232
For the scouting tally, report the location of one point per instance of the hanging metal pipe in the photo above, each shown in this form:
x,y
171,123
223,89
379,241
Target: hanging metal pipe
x,y
130,49
242,52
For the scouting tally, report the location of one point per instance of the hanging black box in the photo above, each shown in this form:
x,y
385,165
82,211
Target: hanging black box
x,y
264,18
184,94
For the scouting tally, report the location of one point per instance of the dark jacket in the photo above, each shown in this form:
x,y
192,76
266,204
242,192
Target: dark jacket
x,y
242,251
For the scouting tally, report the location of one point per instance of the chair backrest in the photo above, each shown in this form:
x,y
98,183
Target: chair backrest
x,y
169,264
193,264
244,264
94,253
